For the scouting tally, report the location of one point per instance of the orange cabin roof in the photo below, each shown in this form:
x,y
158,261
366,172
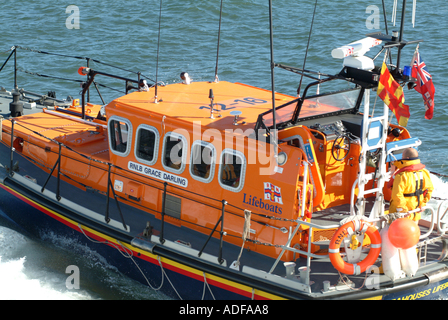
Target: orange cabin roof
x,y
191,103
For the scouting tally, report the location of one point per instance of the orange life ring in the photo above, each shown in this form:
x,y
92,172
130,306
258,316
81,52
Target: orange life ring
x,y
348,229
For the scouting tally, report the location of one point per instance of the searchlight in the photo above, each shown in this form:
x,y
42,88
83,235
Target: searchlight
x,y
353,53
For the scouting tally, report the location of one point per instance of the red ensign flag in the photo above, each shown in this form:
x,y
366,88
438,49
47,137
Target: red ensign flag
x,y
424,83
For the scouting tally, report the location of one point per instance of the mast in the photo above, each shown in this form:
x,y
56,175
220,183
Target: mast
x,y
217,49
271,32
158,50
403,11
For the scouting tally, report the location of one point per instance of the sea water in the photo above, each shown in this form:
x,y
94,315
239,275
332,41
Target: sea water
x,y
43,269
125,34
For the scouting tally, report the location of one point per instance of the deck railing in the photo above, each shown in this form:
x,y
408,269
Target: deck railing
x,y
436,219
222,206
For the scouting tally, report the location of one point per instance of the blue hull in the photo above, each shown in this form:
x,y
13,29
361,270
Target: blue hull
x,y
33,219
182,276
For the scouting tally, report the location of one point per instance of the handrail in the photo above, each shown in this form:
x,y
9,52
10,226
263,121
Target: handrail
x,y
58,165
162,239
300,223
440,218
14,52
110,187
7,59
223,202
220,220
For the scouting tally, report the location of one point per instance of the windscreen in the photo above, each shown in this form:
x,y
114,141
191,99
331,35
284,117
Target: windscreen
x,y
317,105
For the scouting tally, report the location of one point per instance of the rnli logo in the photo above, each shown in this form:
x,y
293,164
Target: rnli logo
x,y
272,193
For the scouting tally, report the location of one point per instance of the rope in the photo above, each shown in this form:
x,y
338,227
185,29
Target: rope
x,y
246,233
160,263
206,283
125,254
354,289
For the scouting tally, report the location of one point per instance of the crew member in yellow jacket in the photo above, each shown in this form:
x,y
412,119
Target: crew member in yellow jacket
x,y
411,185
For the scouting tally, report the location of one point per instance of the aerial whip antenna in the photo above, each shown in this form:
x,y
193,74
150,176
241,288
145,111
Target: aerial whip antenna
x,y
394,13
217,50
158,49
387,30
414,9
403,11
307,47
271,31
385,19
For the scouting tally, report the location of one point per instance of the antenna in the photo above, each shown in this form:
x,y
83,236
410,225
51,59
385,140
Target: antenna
x,y
403,11
307,47
271,31
157,61
387,30
385,18
217,50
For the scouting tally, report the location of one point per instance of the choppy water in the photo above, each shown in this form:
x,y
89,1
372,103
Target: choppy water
x,y
124,34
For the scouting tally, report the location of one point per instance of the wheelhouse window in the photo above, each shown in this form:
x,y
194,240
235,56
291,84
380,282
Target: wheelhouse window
x,y
120,135
174,152
232,170
202,166
147,144
321,105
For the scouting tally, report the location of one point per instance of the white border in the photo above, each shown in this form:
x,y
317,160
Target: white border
x,y
212,164
184,152
243,169
156,144
129,141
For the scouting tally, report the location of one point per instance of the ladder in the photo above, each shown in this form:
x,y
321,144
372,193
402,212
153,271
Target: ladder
x,y
373,139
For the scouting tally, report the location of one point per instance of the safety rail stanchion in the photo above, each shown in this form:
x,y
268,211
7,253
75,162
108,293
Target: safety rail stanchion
x,y
220,260
88,90
110,187
305,181
106,215
220,220
11,172
162,240
423,236
58,193
440,218
7,59
291,235
57,164
15,69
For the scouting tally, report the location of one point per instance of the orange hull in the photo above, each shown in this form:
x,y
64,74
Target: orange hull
x,y
272,192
